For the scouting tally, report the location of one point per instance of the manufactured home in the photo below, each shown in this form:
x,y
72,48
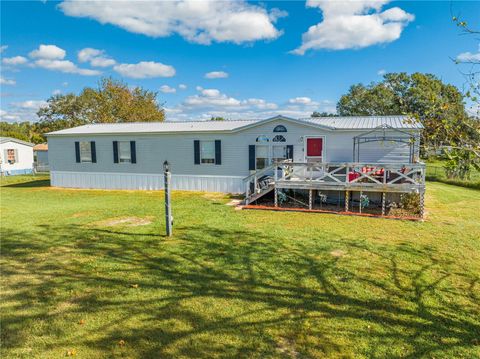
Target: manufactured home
x,y
334,153
16,156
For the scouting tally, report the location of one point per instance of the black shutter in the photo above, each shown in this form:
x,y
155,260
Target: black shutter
x,y
77,152
290,152
196,152
94,152
133,152
251,157
218,152
115,152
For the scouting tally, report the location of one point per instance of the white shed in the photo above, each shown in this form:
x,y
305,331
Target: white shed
x,y
16,156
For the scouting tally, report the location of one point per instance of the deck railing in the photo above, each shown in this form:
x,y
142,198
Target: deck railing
x,y
337,176
353,174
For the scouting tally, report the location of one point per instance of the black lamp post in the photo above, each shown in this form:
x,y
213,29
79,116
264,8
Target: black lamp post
x,y
168,207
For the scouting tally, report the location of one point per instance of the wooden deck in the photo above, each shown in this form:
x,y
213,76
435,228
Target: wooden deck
x,y
348,177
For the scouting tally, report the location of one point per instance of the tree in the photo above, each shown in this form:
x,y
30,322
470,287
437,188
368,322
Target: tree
x,y
113,101
424,97
217,118
322,114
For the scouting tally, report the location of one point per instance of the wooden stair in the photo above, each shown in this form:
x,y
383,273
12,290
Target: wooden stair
x,y
263,191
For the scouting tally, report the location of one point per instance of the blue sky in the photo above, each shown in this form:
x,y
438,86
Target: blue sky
x,y
233,59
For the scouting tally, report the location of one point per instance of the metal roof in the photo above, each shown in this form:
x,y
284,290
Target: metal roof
x,y
332,123
11,139
365,122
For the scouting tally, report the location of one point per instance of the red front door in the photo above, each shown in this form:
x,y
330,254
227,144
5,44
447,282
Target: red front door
x,y
314,147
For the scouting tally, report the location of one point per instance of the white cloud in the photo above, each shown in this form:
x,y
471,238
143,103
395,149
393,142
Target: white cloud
x,y
197,21
56,92
167,89
145,69
353,25
5,81
182,87
50,52
30,104
469,57
95,57
64,66
213,100
65,84
301,100
22,111
216,75
381,72
3,48
16,60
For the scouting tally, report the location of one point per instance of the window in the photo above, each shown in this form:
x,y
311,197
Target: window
x,y
279,153
261,160
279,138
85,151
124,154
11,156
262,138
207,151
280,128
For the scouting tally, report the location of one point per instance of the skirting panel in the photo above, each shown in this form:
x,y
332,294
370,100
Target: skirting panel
x,y
146,181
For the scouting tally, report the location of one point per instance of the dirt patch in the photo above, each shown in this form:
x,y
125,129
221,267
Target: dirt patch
x,y
234,202
337,253
124,221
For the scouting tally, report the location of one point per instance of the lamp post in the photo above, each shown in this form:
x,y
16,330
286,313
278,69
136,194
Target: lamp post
x,y
168,207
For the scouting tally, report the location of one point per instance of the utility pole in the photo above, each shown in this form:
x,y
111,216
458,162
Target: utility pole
x,y
168,204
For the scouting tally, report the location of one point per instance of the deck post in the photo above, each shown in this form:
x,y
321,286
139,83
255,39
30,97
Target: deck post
x,y
347,199
422,204
383,203
360,202
275,196
309,199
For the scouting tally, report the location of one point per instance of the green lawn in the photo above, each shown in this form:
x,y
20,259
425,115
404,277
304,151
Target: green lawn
x,y
233,284
436,172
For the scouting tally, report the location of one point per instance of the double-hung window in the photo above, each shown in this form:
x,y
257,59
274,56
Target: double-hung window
x,y
207,151
124,152
85,151
279,153
11,156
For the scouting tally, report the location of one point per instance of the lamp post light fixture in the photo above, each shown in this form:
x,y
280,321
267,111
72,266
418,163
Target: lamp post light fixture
x,y
168,205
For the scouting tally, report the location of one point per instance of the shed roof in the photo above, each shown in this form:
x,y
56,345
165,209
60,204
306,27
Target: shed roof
x,y
330,123
41,147
16,140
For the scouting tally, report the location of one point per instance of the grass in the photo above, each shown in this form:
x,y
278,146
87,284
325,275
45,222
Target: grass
x,y
77,279
436,172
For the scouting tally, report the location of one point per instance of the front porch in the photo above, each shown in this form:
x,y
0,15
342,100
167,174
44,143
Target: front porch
x,y
349,185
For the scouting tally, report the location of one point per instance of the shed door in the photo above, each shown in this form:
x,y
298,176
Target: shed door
x,y
314,147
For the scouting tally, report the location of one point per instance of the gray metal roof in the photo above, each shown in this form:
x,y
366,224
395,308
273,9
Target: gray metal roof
x,y
11,139
332,123
365,122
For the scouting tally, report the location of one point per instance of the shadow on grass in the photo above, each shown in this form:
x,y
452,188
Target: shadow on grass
x,y
452,182
266,289
32,183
